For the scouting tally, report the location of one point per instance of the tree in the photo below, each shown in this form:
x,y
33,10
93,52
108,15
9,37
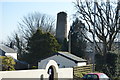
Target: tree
x,y
102,26
63,45
33,21
18,43
78,42
107,20
27,27
118,66
41,45
109,66
8,63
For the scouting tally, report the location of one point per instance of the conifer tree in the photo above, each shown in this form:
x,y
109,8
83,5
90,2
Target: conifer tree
x,y
41,45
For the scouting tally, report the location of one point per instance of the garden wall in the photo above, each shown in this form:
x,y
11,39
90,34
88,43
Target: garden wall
x,y
39,74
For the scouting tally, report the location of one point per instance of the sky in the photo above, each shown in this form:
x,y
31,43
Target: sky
x,y
11,12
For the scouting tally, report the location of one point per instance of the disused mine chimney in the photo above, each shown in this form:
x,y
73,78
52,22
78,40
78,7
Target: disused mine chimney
x,y
61,26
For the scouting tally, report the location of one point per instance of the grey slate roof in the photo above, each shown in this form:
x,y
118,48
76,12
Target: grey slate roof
x,y
71,56
7,49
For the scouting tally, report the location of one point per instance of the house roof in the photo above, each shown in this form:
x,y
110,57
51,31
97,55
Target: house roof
x,y
72,57
7,49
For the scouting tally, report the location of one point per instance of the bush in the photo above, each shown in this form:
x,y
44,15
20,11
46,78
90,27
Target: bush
x,y
8,63
81,74
115,78
34,67
106,64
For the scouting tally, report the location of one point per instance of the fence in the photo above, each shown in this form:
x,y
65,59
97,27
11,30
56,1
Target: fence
x,y
79,71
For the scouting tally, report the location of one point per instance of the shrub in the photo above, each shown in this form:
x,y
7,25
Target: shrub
x,y
8,63
81,74
34,67
115,78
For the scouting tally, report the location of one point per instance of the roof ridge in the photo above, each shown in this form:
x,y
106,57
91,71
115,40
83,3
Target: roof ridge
x,y
71,56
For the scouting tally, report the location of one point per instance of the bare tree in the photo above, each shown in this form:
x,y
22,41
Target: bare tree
x,y
27,27
107,20
33,21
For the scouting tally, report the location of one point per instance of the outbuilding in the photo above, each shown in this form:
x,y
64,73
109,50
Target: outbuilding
x,y
64,60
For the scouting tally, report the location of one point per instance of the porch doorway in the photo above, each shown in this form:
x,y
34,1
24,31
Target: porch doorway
x,y
52,73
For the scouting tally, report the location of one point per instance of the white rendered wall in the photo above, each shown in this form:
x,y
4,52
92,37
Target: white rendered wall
x,y
62,73
81,64
37,73
61,61
65,73
14,55
23,74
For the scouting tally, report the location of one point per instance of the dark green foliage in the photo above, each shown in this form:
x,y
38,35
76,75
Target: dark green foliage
x,y
99,60
78,42
41,45
26,28
107,66
111,61
64,45
115,78
78,46
118,66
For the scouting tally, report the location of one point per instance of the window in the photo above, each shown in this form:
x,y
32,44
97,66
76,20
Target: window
x,y
91,76
103,76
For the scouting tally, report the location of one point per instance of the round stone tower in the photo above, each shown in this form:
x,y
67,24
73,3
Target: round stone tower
x,y
61,27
